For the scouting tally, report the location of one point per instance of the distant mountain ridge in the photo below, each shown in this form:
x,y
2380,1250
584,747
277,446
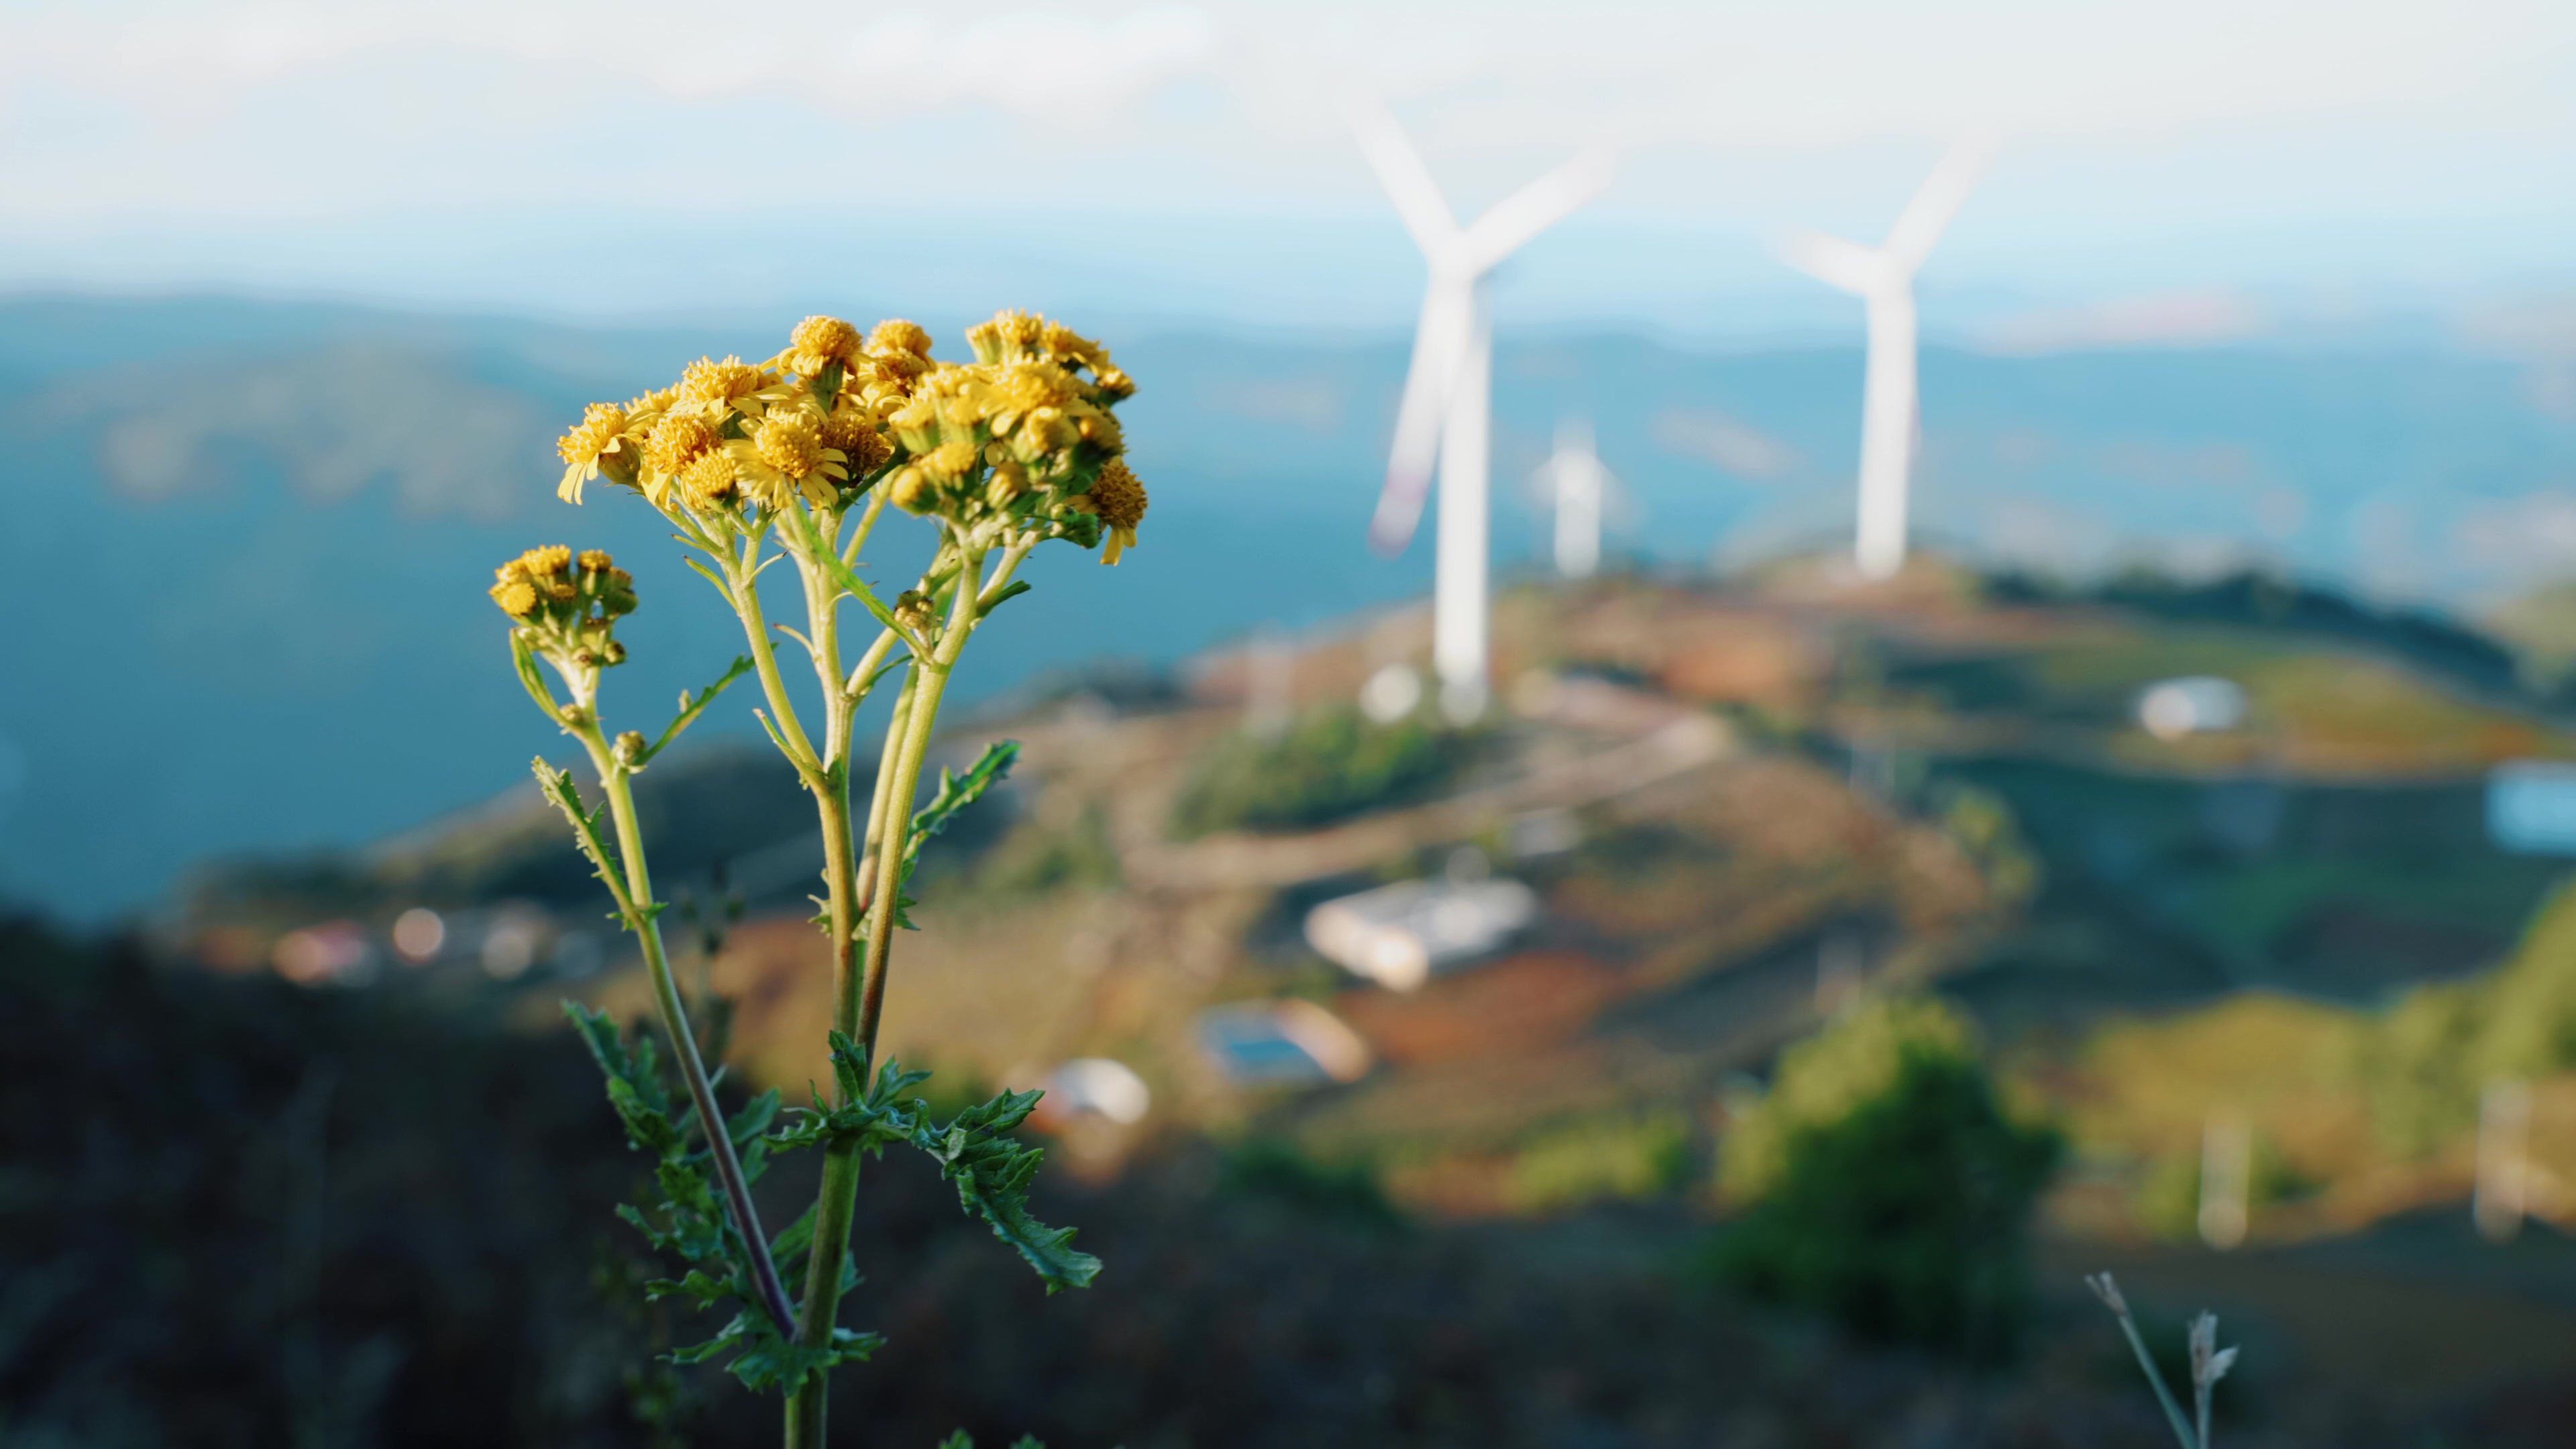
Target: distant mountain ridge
x,y
246,540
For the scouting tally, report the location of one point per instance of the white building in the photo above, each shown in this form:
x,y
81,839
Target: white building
x,y
2194,704
1402,935
1281,1043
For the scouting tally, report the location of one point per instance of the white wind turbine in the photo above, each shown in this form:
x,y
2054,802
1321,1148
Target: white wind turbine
x,y
1576,488
1448,394
1884,277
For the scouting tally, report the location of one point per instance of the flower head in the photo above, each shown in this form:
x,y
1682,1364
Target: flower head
x,y
675,441
566,606
599,432
711,387
1019,442
1009,337
710,481
818,342
854,435
1117,496
790,445
785,454
517,597
896,335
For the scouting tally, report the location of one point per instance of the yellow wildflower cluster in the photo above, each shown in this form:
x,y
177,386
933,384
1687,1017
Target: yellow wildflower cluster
x,y
568,604
1022,437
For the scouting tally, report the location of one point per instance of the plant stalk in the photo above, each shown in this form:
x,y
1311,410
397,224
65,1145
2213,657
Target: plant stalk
x,y
859,1011
615,780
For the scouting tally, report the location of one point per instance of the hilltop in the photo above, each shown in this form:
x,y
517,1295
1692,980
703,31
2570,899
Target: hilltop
x,y
1736,800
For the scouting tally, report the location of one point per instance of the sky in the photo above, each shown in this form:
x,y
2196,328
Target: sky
x,y
2185,169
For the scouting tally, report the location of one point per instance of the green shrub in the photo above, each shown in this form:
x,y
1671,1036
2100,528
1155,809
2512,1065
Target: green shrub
x,y
1983,825
2441,1045
1626,1158
1273,1170
1331,763
1885,1186
1037,858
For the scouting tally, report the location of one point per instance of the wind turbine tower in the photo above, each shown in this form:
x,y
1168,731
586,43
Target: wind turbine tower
x,y
1883,276
1577,488
1448,393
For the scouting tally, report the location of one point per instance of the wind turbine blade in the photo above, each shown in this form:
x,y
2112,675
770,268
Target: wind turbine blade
x,y
1937,201
1437,344
1534,208
1833,261
1400,170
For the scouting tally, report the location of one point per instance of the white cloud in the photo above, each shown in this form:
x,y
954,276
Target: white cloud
x,y
2253,127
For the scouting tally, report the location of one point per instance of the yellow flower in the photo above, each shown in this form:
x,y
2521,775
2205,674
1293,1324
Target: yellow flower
x,y
675,440
950,462
710,480
597,433
1010,336
854,435
789,445
896,335
710,387
818,342
787,450
1009,481
912,490
1118,497
1070,346
916,424
567,606
515,597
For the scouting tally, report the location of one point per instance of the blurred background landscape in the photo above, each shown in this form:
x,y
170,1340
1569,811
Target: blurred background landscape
x,y
1747,1031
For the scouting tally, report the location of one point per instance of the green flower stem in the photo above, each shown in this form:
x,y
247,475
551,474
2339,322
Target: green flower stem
x,y
742,572
867,526
637,903
908,735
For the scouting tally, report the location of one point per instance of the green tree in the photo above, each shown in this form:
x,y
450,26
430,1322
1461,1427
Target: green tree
x,y
1885,1186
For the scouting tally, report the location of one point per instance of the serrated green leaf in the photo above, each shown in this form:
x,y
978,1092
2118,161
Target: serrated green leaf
x,y
754,1118
560,790
697,1285
690,708
956,792
993,1173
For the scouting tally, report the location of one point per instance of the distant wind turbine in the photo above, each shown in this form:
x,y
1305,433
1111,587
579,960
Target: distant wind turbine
x,y
1448,394
1884,277
1577,489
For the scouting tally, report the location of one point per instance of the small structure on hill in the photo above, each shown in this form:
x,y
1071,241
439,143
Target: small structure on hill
x,y
2531,807
2194,704
1099,1087
1400,936
1281,1044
